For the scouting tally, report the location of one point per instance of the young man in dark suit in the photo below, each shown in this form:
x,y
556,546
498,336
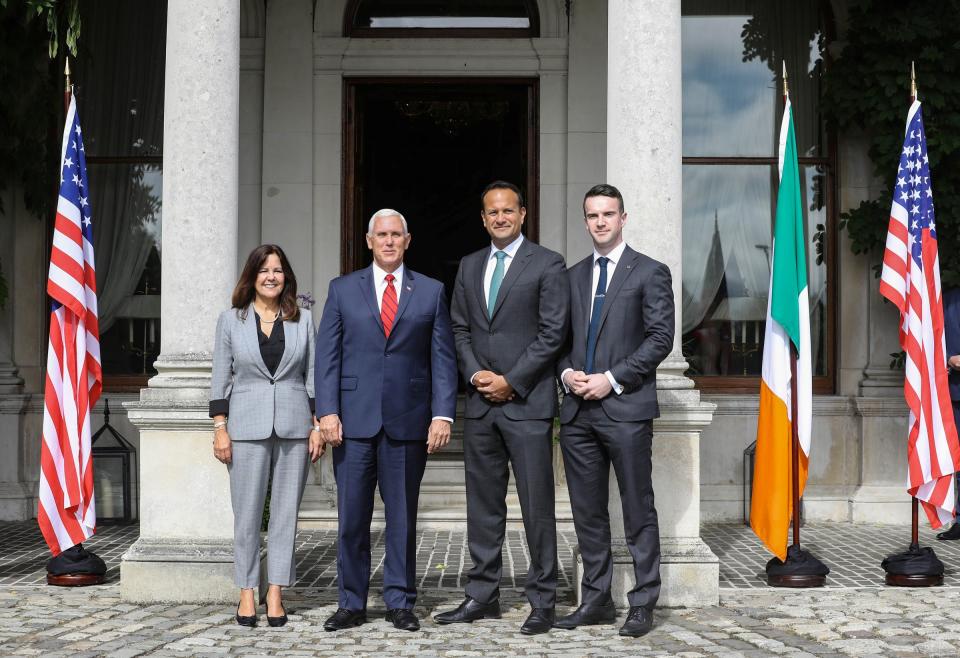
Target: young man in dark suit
x,y
622,324
386,380
509,314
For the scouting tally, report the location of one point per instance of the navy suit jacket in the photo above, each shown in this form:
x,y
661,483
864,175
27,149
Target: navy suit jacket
x,y
397,384
951,330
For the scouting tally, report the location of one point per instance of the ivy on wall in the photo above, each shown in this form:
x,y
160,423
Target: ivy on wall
x,y
867,89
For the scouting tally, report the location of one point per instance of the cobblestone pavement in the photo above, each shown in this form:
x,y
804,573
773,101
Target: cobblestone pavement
x,y
844,619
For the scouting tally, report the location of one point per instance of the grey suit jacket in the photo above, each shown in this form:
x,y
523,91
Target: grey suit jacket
x,y
636,333
261,402
523,339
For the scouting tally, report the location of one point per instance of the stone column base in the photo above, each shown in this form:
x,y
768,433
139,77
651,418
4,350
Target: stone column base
x,y
689,573
18,501
881,504
185,571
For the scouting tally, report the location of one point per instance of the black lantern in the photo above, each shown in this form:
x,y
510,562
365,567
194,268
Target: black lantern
x,y
112,473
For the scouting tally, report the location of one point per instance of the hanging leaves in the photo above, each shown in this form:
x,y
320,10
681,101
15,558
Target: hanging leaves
x,y
867,92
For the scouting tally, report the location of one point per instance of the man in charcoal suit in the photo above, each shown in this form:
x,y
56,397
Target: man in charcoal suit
x,y
622,324
509,314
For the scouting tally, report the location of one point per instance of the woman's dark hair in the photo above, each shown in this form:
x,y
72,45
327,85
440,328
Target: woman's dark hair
x,y
245,290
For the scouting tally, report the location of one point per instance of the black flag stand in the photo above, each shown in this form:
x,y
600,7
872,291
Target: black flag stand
x,y
801,568
75,566
917,566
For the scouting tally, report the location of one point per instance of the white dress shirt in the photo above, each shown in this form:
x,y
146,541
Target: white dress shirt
x,y
510,250
380,285
614,257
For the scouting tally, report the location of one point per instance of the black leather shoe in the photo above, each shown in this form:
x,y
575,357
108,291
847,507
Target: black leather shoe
x,y
639,622
469,611
539,621
278,621
952,533
344,618
244,620
403,619
588,615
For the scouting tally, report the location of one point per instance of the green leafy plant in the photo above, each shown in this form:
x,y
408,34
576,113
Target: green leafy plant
x,y
867,89
31,98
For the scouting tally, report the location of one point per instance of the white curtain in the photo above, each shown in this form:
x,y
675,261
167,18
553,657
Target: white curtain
x,y
120,96
731,204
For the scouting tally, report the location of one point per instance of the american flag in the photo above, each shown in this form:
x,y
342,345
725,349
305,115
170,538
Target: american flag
x,y
66,513
911,281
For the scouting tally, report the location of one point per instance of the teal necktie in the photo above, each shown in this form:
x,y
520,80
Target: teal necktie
x,y
495,282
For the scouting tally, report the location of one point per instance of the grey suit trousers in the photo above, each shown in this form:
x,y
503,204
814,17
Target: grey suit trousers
x,y
252,463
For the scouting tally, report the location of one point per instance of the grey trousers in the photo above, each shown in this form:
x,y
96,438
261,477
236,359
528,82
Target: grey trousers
x,y
253,461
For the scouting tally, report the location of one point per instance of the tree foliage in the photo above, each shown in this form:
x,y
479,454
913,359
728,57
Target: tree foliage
x,y
31,102
867,89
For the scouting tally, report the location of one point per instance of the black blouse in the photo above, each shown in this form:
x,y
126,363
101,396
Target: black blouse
x,y
271,347
271,351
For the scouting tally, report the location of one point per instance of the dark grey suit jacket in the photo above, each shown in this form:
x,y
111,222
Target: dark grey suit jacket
x,y
523,339
636,333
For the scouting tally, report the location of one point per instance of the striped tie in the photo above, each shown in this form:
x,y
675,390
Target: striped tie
x,y
388,307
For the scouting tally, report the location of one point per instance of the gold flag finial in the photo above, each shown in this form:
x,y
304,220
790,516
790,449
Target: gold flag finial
x,y
66,72
786,90
913,82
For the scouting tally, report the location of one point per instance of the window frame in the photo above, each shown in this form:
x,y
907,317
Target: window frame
x,y
115,383
351,30
822,384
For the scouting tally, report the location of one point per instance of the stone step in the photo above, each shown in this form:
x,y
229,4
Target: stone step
x,y
440,507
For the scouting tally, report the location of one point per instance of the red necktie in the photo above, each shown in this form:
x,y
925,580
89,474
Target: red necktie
x,y
388,307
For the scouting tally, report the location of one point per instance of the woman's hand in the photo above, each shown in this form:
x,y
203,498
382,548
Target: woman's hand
x,y
221,445
317,446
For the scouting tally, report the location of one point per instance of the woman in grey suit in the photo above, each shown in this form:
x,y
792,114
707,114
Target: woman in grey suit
x,y
263,421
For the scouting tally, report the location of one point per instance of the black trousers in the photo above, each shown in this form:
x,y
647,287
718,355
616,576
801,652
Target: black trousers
x,y
491,444
591,442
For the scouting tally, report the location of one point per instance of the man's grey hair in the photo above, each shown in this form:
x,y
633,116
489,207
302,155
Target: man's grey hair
x,y
386,212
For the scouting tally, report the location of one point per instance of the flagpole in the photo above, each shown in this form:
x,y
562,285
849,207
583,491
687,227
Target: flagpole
x,y
800,568
794,410
67,88
914,503
915,567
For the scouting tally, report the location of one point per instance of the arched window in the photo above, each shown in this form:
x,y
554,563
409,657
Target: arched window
x,y
732,104
441,18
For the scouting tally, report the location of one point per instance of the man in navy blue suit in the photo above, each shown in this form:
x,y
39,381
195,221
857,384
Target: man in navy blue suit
x,y
386,380
951,330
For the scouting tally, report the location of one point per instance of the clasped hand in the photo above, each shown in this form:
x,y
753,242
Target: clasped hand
x,y
589,387
493,387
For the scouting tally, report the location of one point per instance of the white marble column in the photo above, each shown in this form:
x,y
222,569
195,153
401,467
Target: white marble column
x,y
185,549
16,496
10,382
644,141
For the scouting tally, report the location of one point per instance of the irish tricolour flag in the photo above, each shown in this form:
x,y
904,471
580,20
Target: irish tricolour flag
x,y
788,325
